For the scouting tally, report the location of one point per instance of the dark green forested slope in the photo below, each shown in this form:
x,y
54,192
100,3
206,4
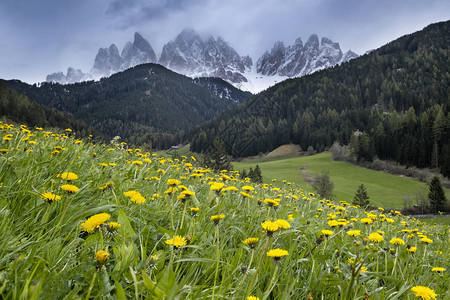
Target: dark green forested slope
x,y
398,96
21,109
147,103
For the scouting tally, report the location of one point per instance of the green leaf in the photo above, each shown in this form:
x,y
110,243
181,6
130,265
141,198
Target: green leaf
x,y
120,292
125,228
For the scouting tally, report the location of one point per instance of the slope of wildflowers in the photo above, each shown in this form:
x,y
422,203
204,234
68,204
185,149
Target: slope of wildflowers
x,y
80,220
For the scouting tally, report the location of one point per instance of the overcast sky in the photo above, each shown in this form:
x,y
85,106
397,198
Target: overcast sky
x,y
38,37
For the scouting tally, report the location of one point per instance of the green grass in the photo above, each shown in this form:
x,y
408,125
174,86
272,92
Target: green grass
x,y
52,247
384,189
442,220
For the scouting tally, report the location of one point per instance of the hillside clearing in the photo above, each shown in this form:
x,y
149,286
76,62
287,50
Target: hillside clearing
x,y
384,189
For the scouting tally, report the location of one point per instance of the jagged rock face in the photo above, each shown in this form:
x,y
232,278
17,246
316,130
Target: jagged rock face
x,y
72,76
139,52
298,59
193,56
108,61
189,54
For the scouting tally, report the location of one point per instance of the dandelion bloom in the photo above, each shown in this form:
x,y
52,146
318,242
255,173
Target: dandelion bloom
x,y
245,195
277,253
69,176
70,188
397,241
426,240
251,242
412,249
113,225
271,202
424,292
252,298
326,232
438,269
176,241
366,221
173,182
217,186
217,218
137,198
136,162
333,223
101,256
375,237
248,188
94,222
283,224
270,227
50,197
354,232
194,209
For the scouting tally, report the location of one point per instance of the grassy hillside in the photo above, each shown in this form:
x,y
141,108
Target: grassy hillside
x,y
80,220
384,189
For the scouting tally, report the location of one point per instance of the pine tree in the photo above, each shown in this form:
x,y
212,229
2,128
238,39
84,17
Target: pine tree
x,y
218,159
257,175
436,195
361,198
323,185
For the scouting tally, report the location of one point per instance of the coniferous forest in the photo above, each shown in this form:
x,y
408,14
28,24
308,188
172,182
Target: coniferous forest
x,y
397,99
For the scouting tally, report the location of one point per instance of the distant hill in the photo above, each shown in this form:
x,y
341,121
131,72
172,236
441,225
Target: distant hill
x,y
145,104
19,108
396,97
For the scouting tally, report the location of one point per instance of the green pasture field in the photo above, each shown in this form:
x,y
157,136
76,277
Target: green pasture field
x,y
384,189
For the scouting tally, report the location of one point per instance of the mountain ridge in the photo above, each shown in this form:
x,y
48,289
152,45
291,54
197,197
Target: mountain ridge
x,y
194,56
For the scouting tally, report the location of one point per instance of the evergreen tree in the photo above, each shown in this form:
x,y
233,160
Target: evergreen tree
x,y
323,185
217,158
361,198
257,176
436,195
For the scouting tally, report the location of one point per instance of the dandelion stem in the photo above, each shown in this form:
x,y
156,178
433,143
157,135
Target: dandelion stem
x,y
217,258
182,217
272,282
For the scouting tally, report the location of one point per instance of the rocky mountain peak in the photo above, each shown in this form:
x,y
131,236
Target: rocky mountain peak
x,y
298,59
191,55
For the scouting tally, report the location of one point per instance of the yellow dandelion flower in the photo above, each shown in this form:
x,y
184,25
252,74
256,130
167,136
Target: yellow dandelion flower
x,y
69,176
438,269
69,188
248,188
101,256
426,240
138,199
271,202
354,232
277,253
50,197
283,224
375,237
412,249
113,225
251,242
94,222
424,292
326,232
252,298
366,221
171,190
217,218
333,223
217,186
270,227
176,241
173,182
136,162
397,241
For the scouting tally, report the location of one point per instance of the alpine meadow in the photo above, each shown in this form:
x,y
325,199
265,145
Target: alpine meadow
x,y
181,167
